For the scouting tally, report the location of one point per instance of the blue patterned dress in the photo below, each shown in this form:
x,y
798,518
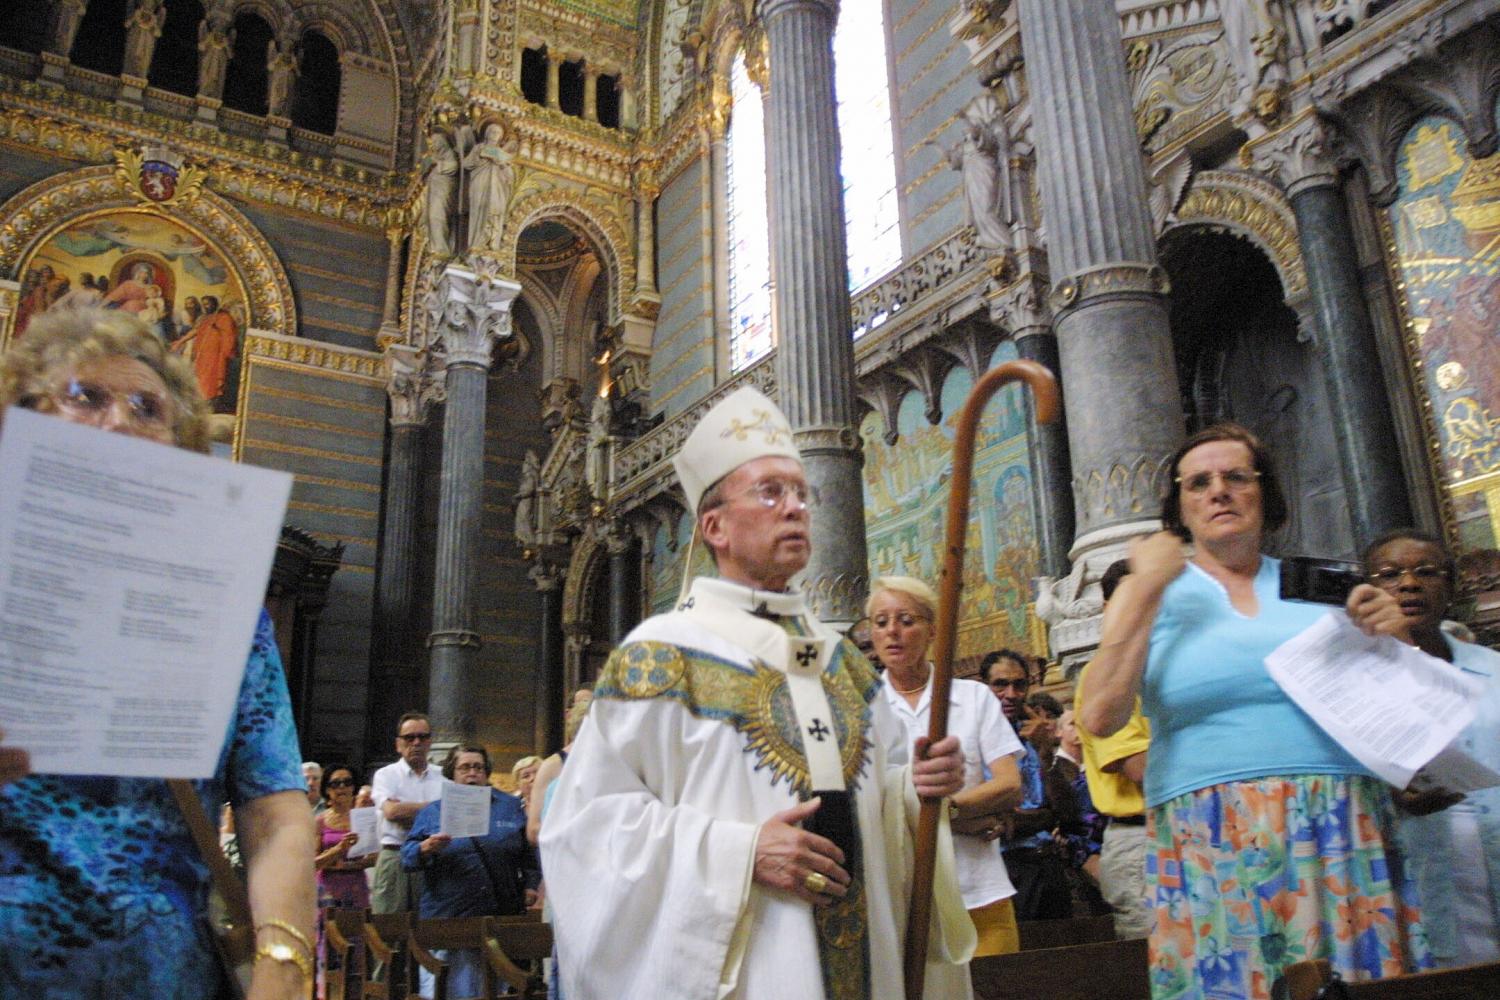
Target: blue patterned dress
x,y
100,882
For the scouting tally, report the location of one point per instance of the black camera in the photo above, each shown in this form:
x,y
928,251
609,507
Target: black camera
x,y
1322,581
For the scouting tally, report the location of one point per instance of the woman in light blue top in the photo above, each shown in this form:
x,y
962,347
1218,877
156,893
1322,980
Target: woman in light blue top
x,y
1269,843
1453,841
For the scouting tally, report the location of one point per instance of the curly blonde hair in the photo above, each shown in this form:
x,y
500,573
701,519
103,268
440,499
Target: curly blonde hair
x,y
63,338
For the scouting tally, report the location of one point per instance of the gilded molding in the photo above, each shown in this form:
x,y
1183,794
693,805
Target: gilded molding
x,y
1248,206
315,356
35,213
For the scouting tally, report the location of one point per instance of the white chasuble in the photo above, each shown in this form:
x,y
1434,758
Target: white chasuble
x,y
695,738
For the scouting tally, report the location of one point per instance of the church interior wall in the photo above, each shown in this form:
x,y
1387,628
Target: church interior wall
x,y
931,83
684,348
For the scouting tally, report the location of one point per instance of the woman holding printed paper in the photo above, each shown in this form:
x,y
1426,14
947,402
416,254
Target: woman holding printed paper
x,y
341,879
1270,844
1452,841
102,890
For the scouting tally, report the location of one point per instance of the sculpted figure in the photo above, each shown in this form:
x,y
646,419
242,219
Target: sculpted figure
x,y
441,165
142,29
215,43
281,71
983,157
531,474
67,15
491,178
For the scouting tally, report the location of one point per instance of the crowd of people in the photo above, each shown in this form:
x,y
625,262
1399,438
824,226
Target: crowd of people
x,y
734,811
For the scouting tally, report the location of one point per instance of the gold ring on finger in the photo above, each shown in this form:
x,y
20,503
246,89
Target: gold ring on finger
x,y
816,883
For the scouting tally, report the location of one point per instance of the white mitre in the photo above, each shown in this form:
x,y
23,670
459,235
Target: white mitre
x,y
741,427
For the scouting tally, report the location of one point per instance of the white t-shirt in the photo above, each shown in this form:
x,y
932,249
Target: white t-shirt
x,y
974,716
398,781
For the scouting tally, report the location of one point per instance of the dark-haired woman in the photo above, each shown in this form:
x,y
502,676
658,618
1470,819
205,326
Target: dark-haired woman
x,y
341,879
1453,841
1269,843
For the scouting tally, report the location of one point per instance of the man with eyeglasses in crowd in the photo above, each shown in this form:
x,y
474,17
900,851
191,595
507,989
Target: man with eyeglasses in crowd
x,y
401,790
733,818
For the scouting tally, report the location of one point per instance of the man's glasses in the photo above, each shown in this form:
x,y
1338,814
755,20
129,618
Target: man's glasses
x,y
1235,480
341,783
415,737
1389,576
772,493
90,402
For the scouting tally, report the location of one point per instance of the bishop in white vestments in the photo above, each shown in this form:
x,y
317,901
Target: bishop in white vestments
x,y
736,818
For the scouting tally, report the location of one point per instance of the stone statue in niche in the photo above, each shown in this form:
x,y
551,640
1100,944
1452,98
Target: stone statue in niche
x,y
67,15
215,43
142,29
982,156
596,472
491,178
440,163
526,503
281,71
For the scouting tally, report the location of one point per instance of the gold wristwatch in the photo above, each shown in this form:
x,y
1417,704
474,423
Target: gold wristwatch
x,y
282,952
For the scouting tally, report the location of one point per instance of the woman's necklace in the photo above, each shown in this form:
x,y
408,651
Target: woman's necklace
x,y
913,690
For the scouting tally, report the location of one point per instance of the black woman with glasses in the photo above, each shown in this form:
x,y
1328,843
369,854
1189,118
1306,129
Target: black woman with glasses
x,y
1268,844
1452,841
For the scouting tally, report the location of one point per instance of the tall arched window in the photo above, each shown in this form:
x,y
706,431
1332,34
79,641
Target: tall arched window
x,y
872,222
100,42
174,64
315,106
245,79
749,234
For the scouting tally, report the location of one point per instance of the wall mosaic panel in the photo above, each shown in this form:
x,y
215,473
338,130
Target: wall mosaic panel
x,y
906,499
1445,224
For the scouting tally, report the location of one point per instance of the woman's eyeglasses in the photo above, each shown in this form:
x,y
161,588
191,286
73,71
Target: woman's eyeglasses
x,y
1235,480
341,783
89,402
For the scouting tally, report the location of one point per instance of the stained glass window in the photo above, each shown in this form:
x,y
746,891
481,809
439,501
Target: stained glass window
x,y
749,229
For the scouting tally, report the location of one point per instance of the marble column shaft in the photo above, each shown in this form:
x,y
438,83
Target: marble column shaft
x,y
645,257
810,275
624,587
549,667
468,316
1048,447
1369,453
1114,342
553,62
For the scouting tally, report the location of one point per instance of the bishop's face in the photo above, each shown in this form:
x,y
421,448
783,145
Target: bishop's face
x,y
760,533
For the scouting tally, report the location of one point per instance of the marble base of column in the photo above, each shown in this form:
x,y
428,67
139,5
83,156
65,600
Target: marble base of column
x,y
1369,453
837,579
1048,447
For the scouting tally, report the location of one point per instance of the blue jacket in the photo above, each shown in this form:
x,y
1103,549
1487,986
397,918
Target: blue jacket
x,y
474,876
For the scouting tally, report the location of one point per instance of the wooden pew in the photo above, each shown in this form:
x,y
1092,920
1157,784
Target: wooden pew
x,y
386,936
514,950
343,934
1114,969
1471,982
1066,933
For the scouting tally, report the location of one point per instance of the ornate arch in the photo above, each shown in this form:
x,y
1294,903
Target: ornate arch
x,y
334,21
1247,206
592,218
40,211
579,600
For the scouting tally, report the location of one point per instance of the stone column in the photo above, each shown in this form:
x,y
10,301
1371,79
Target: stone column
x,y
548,578
468,314
810,272
646,193
1108,293
1023,305
390,317
397,667
624,581
552,65
590,93
1369,453
716,137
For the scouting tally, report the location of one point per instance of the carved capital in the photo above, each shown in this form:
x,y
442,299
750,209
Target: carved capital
x,y
827,440
1021,307
1110,280
411,384
837,597
1300,156
468,313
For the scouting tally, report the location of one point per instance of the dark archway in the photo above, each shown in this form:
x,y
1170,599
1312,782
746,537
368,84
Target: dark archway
x,y
174,64
245,79
21,29
100,43
315,105
1240,357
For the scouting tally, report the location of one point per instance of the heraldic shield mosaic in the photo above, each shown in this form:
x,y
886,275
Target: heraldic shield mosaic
x,y
1446,226
906,500
144,263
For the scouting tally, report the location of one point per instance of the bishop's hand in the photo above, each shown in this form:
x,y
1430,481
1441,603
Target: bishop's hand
x,y
786,855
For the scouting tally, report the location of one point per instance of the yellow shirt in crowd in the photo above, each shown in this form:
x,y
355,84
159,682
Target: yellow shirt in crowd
x,y
1112,792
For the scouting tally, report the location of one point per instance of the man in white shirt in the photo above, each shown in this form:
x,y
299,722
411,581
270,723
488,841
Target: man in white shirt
x,y
400,790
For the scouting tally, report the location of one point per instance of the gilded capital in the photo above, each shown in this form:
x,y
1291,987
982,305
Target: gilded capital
x,y
1299,156
468,313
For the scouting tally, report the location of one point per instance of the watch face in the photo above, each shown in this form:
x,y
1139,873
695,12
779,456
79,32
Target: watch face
x,y
280,952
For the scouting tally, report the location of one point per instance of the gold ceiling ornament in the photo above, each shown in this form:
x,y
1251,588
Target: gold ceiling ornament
x,y
158,175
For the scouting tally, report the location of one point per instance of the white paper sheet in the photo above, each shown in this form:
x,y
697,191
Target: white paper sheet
x,y
132,575
465,810
1393,707
362,821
